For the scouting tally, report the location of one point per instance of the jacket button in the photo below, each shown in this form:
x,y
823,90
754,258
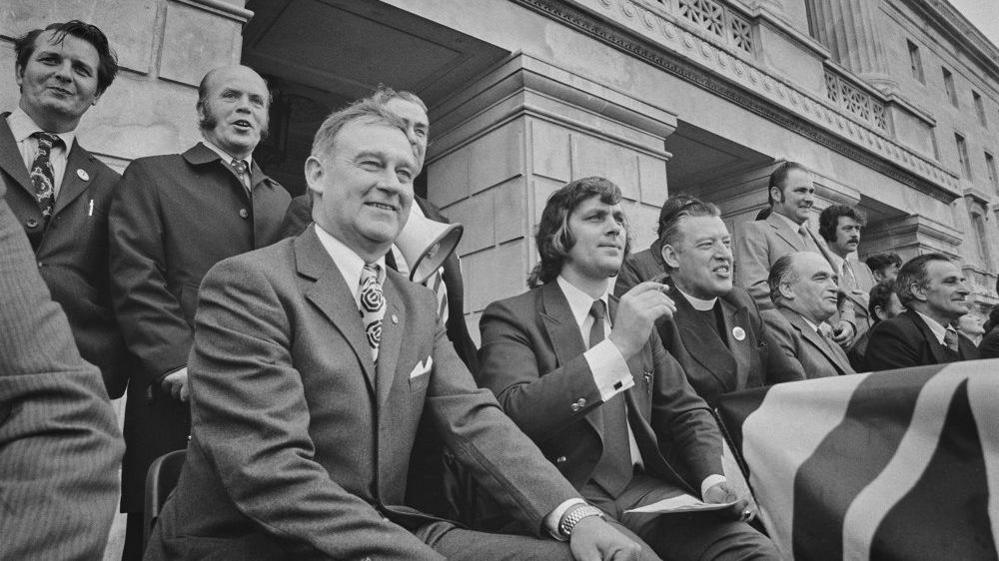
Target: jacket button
x,y
575,407
31,223
581,402
560,460
243,213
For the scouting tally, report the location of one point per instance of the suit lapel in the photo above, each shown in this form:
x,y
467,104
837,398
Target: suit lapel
x,y
73,182
784,232
740,349
817,341
331,295
388,350
10,158
939,352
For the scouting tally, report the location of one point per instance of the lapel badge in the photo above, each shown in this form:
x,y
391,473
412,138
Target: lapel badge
x,y
739,333
395,319
82,174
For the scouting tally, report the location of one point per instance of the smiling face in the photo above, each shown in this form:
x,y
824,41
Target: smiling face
x,y
944,296
796,199
847,237
233,112
59,81
600,238
813,294
701,258
364,187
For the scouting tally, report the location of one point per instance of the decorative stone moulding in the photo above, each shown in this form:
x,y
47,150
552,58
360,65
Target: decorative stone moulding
x,y
659,33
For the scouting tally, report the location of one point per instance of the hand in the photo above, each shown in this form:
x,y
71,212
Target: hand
x,y
843,333
593,539
637,313
722,493
176,384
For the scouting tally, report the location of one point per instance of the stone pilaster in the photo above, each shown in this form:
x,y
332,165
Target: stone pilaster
x,y
852,30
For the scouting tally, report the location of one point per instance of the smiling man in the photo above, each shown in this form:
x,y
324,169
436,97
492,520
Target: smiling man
x,y
804,290
172,218
716,333
935,294
586,377
60,192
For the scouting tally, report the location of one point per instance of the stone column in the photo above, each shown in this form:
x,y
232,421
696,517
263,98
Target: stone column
x,y
502,145
852,30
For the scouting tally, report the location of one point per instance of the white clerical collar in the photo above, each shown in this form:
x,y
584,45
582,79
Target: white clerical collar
x,y
699,304
939,331
347,260
23,126
226,157
579,301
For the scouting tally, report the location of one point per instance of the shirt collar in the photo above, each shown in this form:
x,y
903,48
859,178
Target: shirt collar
x,y
579,301
939,331
226,157
22,126
699,304
837,263
794,226
347,261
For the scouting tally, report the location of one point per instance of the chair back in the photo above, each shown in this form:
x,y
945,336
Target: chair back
x,y
161,479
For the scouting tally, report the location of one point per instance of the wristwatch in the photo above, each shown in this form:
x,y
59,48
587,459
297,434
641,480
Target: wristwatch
x,y
575,514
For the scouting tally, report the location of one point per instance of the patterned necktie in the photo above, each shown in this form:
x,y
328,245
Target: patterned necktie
x,y
614,470
242,170
372,307
436,283
42,173
950,341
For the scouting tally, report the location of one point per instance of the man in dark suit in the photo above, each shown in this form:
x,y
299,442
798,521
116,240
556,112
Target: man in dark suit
x,y
59,192
716,332
586,378
805,292
311,368
935,294
60,446
172,218
760,243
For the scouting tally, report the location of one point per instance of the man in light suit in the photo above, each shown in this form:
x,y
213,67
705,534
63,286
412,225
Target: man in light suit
x,y
172,218
60,446
760,243
716,332
840,226
606,404
935,294
804,290
60,192
311,368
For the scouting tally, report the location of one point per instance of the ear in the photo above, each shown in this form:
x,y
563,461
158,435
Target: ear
x,y
918,292
786,291
776,194
18,75
315,171
670,256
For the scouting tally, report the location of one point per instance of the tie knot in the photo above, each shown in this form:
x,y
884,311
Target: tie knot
x,y
240,167
370,272
46,140
598,310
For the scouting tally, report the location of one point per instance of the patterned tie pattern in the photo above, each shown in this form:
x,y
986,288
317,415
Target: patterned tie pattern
x,y
614,470
950,340
436,283
42,173
372,307
242,170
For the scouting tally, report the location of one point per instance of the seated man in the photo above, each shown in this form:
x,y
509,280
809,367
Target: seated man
x,y
804,290
883,304
311,367
717,333
884,266
935,294
601,414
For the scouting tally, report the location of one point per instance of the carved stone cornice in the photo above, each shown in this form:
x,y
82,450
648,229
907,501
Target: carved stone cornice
x,y
657,39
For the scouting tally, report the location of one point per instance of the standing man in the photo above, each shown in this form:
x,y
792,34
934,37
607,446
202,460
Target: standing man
x,y
172,218
804,290
311,368
840,226
59,192
935,294
760,243
586,378
716,333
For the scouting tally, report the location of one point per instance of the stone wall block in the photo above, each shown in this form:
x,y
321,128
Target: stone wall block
x,y
510,210
550,150
195,41
495,274
476,215
652,180
447,178
497,156
592,156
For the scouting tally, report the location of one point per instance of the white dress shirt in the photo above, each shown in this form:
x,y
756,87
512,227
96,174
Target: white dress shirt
x,y
22,127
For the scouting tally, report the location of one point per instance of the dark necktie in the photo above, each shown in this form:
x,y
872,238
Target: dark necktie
x,y
950,341
42,173
242,170
372,307
614,470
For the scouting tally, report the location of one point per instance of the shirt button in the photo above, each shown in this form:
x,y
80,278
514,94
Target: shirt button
x,y
243,213
31,223
40,264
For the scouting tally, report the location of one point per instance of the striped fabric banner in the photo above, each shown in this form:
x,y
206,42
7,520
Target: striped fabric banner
x,y
884,466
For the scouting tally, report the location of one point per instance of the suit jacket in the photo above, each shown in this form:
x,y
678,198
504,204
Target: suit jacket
x,y
299,216
905,340
72,251
860,296
300,443
532,359
812,355
172,218
60,446
713,366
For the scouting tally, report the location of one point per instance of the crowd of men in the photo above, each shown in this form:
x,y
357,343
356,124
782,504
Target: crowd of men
x,y
324,399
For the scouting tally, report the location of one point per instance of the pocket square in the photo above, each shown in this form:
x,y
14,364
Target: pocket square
x,y
422,368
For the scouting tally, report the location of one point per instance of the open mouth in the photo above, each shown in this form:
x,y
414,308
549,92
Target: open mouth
x,y
722,270
243,124
382,206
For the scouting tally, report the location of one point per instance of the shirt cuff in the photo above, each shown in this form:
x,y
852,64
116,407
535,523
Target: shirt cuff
x,y
710,481
610,370
555,516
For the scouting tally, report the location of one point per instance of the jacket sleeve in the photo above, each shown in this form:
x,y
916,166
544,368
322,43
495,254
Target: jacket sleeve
x,y
779,335
150,316
889,348
752,262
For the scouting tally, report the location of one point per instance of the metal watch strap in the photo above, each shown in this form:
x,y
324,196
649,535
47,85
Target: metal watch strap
x,y
575,514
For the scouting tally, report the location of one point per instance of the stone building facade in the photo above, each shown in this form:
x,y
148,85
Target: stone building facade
x,y
893,103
